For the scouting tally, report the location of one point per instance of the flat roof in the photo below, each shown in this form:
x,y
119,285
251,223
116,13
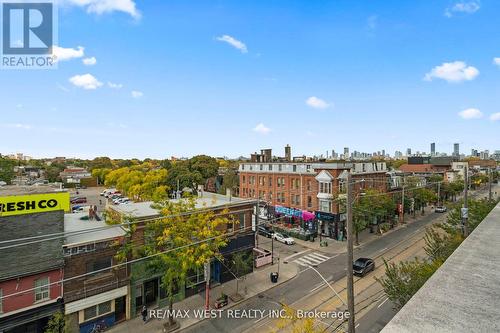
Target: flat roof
x,y
463,295
208,200
74,223
26,189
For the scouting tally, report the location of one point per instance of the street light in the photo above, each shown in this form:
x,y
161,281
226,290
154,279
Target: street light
x,y
329,285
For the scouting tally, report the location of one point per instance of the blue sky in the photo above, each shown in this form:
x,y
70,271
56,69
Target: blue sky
x,y
231,77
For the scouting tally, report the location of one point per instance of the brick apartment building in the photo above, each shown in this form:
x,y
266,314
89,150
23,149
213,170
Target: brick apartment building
x,y
145,285
283,183
30,292
94,298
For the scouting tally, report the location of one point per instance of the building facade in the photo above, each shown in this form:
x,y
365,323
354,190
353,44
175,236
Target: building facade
x,y
31,273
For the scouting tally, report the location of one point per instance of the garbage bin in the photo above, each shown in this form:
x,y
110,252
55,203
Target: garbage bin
x,y
274,277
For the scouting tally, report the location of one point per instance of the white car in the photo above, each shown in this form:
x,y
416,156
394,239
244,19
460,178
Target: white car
x,y
283,239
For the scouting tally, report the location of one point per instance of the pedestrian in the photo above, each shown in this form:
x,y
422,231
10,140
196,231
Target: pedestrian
x,y
144,313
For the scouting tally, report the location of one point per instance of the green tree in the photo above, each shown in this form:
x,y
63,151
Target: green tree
x,y
404,279
7,170
57,324
230,180
182,242
100,163
241,264
205,165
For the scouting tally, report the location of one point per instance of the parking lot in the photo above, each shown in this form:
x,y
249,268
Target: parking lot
x,y
92,195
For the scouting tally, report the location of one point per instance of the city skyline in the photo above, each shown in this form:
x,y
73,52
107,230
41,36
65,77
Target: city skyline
x,y
224,78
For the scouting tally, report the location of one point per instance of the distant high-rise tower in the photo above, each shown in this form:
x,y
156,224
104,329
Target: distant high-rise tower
x,y
433,149
408,151
288,153
456,149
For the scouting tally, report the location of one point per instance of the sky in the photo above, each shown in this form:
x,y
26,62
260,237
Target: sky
x,y
178,78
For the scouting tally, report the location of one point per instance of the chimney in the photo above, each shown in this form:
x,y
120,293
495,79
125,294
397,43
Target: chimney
x,y
288,153
200,191
229,194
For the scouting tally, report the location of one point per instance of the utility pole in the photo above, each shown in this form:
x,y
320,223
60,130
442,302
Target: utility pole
x,y
465,210
403,204
350,255
439,193
489,181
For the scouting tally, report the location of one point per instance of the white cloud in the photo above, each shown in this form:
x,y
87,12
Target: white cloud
x,y
108,6
456,71
85,81
470,113
137,94
115,85
495,116
63,54
19,126
496,61
233,42
89,61
262,129
317,103
464,7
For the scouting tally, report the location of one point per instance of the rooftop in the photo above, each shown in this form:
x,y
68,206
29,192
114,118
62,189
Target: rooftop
x,y
208,200
26,190
74,223
463,295
31,258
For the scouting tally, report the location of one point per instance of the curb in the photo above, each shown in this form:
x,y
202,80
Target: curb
x,y
233,304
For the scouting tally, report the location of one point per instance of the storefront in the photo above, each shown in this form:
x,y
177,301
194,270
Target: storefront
x,y
102,310
331,225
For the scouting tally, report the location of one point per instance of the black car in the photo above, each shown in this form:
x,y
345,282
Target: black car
x,y
265,231
363,266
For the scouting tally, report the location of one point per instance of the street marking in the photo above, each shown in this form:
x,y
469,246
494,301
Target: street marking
x,y
296,254
382,302
302,262
309,258
319,256
322,284
356,326
383,249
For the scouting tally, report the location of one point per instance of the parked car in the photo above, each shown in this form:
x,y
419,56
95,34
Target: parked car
x,y
362,266
78,200
285,240
440,209
265,231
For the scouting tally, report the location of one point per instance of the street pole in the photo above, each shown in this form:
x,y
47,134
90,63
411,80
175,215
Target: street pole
x,y
465,207
403,204
350,255
207,286
489,180
439,193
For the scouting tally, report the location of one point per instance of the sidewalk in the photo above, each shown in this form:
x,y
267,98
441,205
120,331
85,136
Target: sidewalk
x,y
365,237
255,283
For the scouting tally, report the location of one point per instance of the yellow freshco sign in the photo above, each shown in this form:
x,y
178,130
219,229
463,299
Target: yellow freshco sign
x,y
34,203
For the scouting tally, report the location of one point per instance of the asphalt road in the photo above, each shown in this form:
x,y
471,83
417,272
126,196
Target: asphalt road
x,y
304,283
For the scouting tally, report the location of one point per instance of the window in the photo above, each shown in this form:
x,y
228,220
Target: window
x,y
308,167
97,310
279,167
242,220
42,289
308,185
270,167
295,168
270,181
243,167
325,187
98,264
309,201
261,167
243,179
325,206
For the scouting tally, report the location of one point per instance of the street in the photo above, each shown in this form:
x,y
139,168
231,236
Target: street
x,y
308,291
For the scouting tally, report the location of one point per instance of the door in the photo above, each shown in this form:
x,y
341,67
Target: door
x,y
120,309
151,292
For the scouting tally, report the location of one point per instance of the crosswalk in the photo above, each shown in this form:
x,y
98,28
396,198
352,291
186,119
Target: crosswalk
x,y
311,259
